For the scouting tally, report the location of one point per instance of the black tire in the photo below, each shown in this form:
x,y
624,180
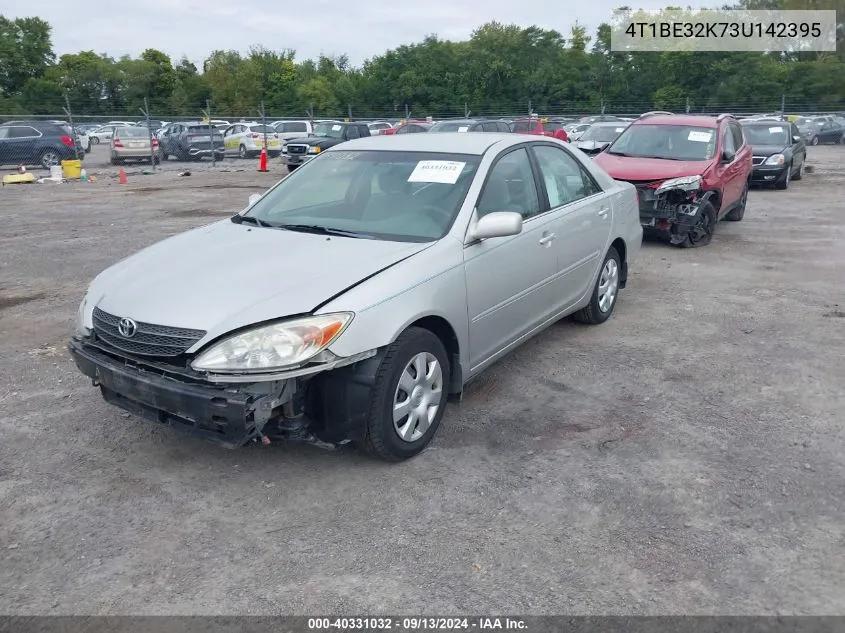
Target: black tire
x,y
115,160
291,168
738,212
814,140
95,140
842,140
88,149
783,183
800,173
49,158
382,439
242,153
593,314
702,232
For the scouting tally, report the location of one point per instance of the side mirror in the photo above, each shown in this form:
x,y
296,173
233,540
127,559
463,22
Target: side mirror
x,y
253,198
796,138
498,224
728,156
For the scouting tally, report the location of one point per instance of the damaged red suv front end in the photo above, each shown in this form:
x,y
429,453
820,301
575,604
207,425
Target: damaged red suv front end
x,y
689,171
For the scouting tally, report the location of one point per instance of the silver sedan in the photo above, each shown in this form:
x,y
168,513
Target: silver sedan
x,y
348,302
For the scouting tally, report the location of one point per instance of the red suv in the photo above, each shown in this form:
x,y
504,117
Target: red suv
x,y
690,172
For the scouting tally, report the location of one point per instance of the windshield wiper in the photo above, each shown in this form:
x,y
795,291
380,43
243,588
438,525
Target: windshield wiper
x,y
320,230
240,219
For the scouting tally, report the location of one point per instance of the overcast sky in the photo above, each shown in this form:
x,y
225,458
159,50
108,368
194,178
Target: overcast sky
x,y
360,28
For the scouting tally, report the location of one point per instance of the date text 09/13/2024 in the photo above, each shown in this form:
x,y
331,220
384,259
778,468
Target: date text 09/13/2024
x,y
417,624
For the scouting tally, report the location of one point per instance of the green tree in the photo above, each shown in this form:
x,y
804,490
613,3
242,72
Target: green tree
x,y
25,52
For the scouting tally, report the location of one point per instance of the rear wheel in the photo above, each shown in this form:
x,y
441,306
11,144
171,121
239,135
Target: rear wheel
x,y
702,231
95,140
408,397
800,174
738,212
814,141
49,158
115,160
242,151
605,292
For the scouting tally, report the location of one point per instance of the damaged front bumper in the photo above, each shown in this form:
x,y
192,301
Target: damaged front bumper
x,y
672,209
325,409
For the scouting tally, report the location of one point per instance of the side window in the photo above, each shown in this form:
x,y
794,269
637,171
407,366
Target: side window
x,y
22,132
510,187
728,141
491,126
736,132
503,127
793,130
566,181
352,132
4,132
296,127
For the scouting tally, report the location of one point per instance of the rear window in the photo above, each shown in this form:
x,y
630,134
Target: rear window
x,y
296,126
202,129
552,127
132,132
523,126
261,129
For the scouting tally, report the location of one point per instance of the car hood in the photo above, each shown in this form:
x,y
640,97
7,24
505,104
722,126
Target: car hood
x,y
631,168
767,150
226,275
591,146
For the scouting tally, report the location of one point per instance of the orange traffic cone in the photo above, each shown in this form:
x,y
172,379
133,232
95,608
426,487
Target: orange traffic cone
x,y
121,176
262,162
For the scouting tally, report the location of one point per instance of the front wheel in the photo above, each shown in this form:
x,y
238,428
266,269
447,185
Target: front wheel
x,y
408,397
815,141
242,151
800,173
783,183
95,140
701,233
605,292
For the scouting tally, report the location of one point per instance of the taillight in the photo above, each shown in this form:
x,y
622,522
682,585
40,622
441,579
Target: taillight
x,y
255,135
155,142
117,142
67,141
275,136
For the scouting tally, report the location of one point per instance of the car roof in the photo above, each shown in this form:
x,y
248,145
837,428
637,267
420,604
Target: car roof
x,y
609,124
696,120
447,142
764,122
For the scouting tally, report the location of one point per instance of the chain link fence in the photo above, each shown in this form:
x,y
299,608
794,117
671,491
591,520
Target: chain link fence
x,y
161,139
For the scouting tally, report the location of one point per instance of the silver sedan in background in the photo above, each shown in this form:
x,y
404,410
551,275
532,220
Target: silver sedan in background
x,y
348,302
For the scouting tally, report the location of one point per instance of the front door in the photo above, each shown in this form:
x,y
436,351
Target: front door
x,y
508,278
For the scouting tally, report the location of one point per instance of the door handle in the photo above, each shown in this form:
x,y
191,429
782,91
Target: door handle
x,y
547,239
603,212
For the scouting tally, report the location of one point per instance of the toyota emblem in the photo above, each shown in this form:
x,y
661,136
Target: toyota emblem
x,y
127,327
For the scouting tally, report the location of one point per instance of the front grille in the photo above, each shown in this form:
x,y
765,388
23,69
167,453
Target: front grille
x,y
149,339
297,149
758,160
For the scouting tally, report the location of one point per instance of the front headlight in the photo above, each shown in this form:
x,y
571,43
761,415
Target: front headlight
x,y
314,149
687,183
777,159
276,346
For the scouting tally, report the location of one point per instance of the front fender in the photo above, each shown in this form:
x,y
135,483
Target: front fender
x,y
430,283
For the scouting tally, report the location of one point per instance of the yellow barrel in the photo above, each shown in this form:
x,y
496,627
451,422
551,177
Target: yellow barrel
x,y
71,168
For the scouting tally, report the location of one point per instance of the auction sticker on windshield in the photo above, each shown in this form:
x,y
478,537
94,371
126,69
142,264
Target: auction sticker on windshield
x,y
775,130
442,171
463,128
699,137
335,128
620,129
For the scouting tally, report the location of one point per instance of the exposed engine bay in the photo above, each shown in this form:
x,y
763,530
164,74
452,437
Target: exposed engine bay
x,y
672,206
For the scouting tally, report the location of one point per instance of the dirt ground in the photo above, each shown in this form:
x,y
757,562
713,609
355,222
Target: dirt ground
x,y
685,457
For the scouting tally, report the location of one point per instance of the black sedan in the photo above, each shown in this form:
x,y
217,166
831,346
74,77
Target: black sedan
x,y
778,150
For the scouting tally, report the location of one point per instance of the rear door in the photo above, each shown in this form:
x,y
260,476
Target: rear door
x,y
585,218
23,144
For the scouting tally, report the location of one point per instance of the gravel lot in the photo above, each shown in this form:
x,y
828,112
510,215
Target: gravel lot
x,y
685,457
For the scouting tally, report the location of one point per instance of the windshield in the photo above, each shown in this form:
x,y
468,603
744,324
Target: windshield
x,y
451,126
669,142
602,133
331,130
766,135
385,195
